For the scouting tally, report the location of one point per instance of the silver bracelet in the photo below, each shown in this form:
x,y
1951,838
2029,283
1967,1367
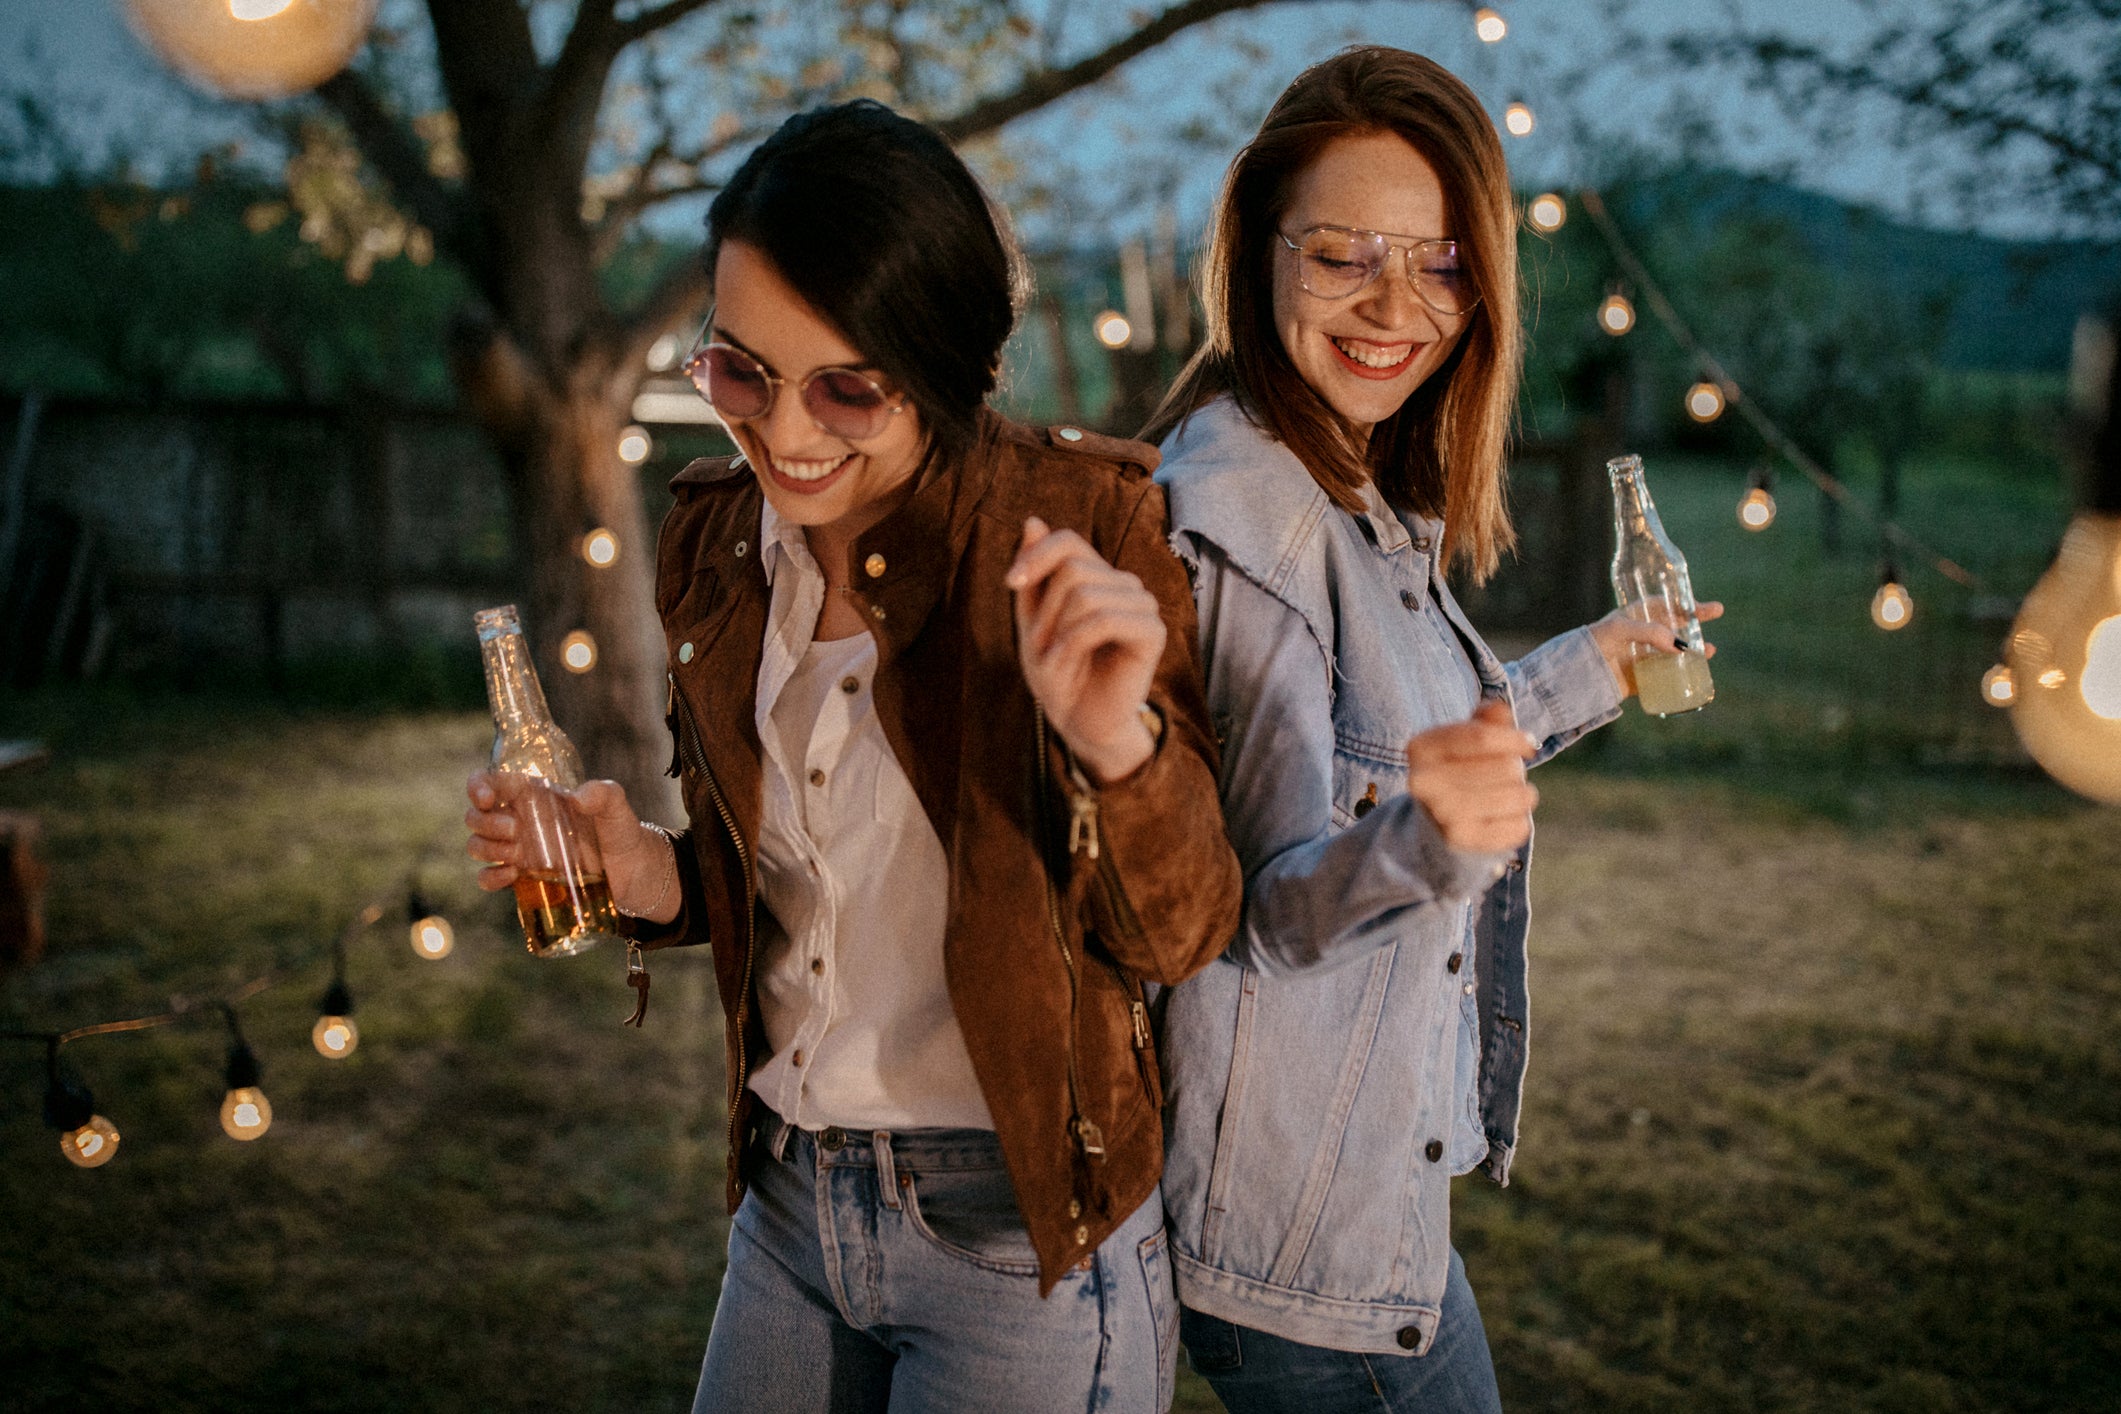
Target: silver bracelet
x,y
668,879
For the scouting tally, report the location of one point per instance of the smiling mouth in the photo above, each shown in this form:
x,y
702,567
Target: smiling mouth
x,y
1374,360
807,475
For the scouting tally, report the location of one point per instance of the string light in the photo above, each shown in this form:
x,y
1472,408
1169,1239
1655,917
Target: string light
x,y
87,1139
1548,212
578,651
335,1034
1616,316
1112,328
2066,644
1999,688
1490,25
431,935
257,9
663,353
253,48
1756,509
245,1112
1892,607
635,445
1704,402
601,547
1518,119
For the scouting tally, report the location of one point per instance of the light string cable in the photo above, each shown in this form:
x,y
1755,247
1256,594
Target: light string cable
x,y
1779,441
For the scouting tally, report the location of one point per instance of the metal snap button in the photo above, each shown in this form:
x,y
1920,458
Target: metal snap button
x,y
1082,1235
1075,1207
741,547
832,1139
1434,1150
877,610
684,652
1407,599
874,566
1457,959
1409,1337
1368,801
1422,543
1068,434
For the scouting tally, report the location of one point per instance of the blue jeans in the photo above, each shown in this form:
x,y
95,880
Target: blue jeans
x,y
1256,1373
891,1271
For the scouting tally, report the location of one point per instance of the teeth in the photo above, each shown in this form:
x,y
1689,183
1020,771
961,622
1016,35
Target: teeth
x,y
807,471
1370,357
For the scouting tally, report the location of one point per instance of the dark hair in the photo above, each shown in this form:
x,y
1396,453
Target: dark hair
x,y
1442,452
881,228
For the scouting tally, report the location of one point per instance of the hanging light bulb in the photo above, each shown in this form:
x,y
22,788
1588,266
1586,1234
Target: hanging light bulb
x,y
1616,316
663,353
335,1034
1756,509
253,48
601,548
2065,647
1518,119
432,937
578,651
1892,607
87,1139
1548,212
1489,25
634,446
1704,402
1999,688
1112,329
245,1112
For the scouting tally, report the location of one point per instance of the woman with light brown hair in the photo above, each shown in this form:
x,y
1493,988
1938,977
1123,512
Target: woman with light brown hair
x,y
1335,446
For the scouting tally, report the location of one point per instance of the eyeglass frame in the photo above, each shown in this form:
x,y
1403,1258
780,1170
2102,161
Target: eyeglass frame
x,y
1407,245
775,381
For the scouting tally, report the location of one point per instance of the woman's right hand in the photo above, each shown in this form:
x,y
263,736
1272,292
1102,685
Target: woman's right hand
x,y
639,863
1469,776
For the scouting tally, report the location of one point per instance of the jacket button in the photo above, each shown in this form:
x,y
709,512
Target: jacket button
x,y
1515,866
1434,1151
1368,801
741,547
1069,434
684,652
1407,599
1422,544
874,566
878,611
1409,1337
832,1139
1457,958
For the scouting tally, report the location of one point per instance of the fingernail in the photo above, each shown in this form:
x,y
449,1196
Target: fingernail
x,y
1531,743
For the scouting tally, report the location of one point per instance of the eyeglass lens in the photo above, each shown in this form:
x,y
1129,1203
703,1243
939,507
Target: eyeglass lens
x,y
1335,264
840,400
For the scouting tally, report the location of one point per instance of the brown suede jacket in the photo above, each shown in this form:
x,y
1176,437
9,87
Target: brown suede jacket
x,y
1063,900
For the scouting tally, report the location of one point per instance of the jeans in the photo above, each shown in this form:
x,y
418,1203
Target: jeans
x,y
891,1272
1256,1373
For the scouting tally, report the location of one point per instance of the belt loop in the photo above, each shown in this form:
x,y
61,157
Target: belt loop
x,y
886,1171
778,1146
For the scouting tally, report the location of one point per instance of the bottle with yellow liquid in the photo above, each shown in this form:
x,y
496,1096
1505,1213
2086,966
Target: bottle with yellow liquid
x,y
1650,581
562,898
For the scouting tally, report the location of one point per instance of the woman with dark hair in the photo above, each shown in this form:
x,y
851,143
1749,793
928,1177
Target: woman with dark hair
x,y
953,804
1335,445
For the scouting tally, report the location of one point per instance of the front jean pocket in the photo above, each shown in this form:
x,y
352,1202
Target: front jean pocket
x,y
1163,1309
971,1215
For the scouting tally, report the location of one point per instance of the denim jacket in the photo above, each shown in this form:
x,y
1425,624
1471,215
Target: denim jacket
x,y
1312,1074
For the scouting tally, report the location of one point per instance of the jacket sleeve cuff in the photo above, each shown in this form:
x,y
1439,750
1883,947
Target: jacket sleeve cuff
x,y
1408,832
678,932
1562,690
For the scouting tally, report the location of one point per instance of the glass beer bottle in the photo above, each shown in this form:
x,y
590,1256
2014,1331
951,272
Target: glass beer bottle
x,y
1650,582
562,898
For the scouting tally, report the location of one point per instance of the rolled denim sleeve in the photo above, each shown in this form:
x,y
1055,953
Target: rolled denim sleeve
x,y
1314,896
1563,691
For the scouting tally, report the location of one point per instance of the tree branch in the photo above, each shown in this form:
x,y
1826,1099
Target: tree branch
x,y
399,159
661,17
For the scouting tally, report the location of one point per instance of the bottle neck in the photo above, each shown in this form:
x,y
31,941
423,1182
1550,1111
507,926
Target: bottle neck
x,y
512,687
1634,513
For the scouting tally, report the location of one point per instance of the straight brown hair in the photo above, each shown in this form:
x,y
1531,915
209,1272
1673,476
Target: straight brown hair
x,y
1443,453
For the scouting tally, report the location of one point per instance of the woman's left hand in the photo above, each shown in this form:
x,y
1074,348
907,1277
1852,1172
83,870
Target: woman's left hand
x,y
1089,637
1616,635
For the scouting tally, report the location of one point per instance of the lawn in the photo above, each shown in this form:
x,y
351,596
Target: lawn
x,y
1824,1110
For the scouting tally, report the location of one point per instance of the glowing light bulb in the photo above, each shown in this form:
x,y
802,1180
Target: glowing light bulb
x,y
253,48
1518,119
1489,25
432,937
2066,645
1113,330
1704,402
1548,212
334,1037
1757,510
663,354
1998,687
1616,315
245,1113
601,548
92,1145
578,651
634,446
1892,607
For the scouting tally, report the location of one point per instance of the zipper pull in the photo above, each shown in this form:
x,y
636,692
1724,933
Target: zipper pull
x,y
1141,1025
636,978
1082,824
1089,1136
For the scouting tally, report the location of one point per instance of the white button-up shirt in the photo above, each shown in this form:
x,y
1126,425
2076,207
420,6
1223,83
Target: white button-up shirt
x,y
850,964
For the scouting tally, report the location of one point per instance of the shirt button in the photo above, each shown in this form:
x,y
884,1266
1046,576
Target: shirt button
x,y
1407,599
874,566
1457,960
1434,1150
1409,1337
817,777
850,685
817,965
798,1057
684,652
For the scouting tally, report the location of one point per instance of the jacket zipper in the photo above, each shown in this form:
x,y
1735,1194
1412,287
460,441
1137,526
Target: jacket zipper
x,y
695,756
1087,1135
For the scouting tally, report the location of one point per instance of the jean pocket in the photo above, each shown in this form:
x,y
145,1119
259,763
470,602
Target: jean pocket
x,y
1211,1343
1163,1310
971,1215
